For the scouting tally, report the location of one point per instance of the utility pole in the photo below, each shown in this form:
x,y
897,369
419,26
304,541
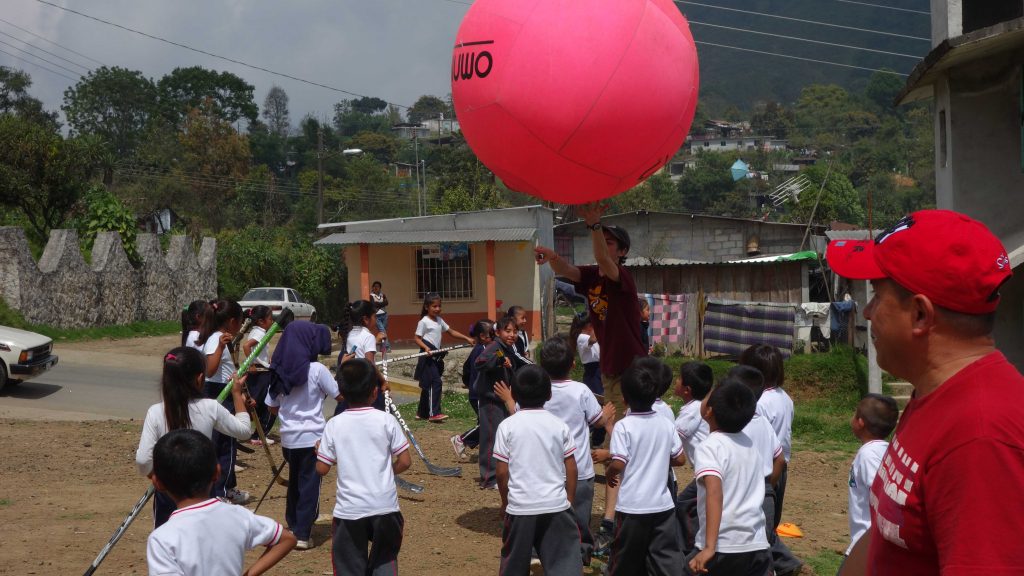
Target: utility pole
x,y
419,191
319,174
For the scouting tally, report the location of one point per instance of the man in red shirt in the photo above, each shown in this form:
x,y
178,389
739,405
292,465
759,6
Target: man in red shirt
x,y
948,496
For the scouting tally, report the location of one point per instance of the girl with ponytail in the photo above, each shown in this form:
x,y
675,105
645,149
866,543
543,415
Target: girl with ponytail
x,y
356,331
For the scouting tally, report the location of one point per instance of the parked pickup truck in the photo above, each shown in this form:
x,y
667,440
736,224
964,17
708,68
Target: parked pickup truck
x,y
23,355
278,298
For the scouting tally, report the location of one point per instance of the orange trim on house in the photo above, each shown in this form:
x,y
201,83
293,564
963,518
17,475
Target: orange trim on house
x,y
534,325
364,270
492,291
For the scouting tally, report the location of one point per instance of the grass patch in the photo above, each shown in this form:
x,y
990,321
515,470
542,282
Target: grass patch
x,y
824,562
5,501
456,405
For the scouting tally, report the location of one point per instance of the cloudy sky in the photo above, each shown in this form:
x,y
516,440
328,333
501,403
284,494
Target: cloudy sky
x,y
393,49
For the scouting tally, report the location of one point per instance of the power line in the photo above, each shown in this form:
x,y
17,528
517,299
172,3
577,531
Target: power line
x,y
211,54
8,44
806,40
799,58
51,41
886,7
791,18
30,45
39,66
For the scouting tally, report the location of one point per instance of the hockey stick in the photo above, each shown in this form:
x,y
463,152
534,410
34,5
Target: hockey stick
x,y
263,440
121,530
406,485
277,474
283,320
435,470
418,354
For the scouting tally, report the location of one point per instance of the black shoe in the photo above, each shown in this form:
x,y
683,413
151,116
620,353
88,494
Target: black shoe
x,y
603,539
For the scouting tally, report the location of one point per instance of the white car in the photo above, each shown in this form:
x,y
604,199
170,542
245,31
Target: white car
x,y
23,355
278,298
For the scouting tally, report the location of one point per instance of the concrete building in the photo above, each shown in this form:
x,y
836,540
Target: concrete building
x,y
480,262
715,143
974,75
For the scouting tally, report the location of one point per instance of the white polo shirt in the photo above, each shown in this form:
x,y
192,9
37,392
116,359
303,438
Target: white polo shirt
x,y
589,353
302,412
862,474
691,428
208,539
362,340
734,459
263,359
431,330
361,441
205,414
765,441
645,442
778,409
573,403
190,340
534,443
226,369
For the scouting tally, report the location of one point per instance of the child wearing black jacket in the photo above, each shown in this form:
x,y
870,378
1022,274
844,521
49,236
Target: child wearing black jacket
x,y
497,363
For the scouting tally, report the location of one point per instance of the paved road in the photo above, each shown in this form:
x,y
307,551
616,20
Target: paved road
x,y
88,385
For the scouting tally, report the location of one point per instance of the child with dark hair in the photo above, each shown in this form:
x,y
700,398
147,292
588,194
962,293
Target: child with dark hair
x,y
645,323
429,368
875,418
536,474
730,488
184,406
498,362
582,334
522,338
483,332
297,394
695,381
644,447
380,307
259,371
369,449
191,322
205,535
356,331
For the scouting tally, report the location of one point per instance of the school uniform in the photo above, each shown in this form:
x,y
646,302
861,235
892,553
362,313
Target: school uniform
x,y
190,340
523,344
491,369
471,438
535,443
767,445
361,442
302,424
590,358
742,546
226,446
777,407
429,368
573,403
206,416
360,341
258,383
692,431
862,474
646,530
208,539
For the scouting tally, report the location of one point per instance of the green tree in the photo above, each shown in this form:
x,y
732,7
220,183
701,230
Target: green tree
x,y
383,147
882,90
114,104
275,112
369,105
105,212
462,182
228,97
427,107
701,185
351,118
818,116
839,200
772,119
14,98
43,175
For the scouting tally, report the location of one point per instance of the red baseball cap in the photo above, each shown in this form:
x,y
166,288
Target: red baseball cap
x,y
951,258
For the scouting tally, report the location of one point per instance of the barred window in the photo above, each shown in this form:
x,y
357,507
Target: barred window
x,y
446,269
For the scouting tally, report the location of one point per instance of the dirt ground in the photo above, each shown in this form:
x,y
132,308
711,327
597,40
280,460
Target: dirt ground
x,y
65,487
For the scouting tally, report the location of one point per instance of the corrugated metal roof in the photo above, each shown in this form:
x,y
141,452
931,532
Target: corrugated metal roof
x,y
430,236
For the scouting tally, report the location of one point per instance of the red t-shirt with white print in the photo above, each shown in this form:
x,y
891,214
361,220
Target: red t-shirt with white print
x,y
949,495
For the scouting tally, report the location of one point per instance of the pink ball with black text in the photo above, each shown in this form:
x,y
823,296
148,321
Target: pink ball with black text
x,y
574,101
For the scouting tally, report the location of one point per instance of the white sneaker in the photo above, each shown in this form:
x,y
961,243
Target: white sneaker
x,y
459,446
240,497
304,544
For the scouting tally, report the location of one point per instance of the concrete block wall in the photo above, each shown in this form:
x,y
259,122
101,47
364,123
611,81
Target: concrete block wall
x,y
62,290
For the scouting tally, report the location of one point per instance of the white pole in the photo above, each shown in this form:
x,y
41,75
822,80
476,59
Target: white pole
x,y
874,371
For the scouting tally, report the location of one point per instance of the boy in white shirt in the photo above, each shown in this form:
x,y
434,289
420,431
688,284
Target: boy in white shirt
x,y
575,404
362,442
874,420
730,489
205,536
536,472
644,446
695,381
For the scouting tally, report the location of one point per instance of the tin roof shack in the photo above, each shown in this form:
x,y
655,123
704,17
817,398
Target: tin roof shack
x,y
975,76
479,262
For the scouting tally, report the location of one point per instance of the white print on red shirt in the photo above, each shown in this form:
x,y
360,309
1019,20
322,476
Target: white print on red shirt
x,y
896,477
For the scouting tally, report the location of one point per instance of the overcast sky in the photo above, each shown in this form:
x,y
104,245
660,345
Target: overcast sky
x,y
392,49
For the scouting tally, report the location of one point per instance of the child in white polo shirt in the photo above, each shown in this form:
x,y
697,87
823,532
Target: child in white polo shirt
x,y
695,381
362,441
205,536
536,471
644,447
730,489
874,420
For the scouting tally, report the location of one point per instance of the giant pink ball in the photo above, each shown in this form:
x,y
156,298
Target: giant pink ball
x,y
574,100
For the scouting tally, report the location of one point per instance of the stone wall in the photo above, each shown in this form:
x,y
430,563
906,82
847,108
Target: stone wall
x,y
62,290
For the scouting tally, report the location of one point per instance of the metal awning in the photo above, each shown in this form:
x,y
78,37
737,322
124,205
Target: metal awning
x,y
430,236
